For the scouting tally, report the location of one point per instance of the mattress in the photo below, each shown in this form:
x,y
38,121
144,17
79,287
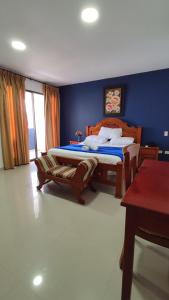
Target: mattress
x,y
103,158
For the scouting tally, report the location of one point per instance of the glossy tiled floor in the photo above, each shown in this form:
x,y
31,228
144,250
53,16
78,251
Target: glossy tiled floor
x,y
71,250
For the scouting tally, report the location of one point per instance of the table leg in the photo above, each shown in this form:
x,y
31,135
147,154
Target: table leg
x,y
128,254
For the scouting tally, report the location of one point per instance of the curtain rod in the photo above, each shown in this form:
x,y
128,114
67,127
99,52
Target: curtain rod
x,y
30,78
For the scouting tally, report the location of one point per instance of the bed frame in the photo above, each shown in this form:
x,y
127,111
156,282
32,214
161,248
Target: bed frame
x,y
121,168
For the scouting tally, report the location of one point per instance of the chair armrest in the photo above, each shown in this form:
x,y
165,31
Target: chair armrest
x,y
45,163
80,173
85,169
39,167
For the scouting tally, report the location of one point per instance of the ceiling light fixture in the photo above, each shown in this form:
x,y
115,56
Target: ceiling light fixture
x,y
90,15
37,280
18,45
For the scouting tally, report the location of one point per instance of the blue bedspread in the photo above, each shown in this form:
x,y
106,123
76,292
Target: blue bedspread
x,y
117,151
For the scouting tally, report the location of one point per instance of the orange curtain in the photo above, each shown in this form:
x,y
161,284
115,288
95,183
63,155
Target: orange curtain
x,y
52,116
13,120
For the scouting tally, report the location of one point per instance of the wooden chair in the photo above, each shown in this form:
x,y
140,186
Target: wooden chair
x,y
77,173
131,168
153,237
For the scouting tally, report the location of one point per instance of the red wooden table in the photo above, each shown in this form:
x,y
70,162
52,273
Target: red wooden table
x,y
147,206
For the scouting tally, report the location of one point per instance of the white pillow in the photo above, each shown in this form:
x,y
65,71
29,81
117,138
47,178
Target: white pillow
x,y
122,141
110,133
94,140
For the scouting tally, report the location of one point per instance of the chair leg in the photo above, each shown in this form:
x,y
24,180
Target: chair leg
x,y
92,188
77,194
42,181
121,259
119,179
39,186
81,200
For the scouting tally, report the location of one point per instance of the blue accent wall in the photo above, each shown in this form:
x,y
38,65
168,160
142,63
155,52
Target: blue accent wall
x,y
146,104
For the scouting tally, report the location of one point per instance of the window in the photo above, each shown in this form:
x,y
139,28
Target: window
x,y
36,123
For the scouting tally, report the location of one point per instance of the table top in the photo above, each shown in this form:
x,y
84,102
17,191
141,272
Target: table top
x,y
150,188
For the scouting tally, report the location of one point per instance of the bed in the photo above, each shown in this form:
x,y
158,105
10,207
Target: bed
x,y
109,164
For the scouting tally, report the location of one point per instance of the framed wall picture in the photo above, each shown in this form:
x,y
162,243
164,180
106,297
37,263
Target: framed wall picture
x,y
113,101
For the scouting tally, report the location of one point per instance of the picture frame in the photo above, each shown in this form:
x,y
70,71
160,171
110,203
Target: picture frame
x,y
113,101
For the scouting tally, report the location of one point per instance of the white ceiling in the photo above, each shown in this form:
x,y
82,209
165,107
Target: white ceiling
x,y
131,36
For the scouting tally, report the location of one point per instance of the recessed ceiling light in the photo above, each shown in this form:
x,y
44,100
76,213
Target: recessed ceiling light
x,y
90,15
37,280
18,45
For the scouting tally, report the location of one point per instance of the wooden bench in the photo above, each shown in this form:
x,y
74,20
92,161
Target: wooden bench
x,y
75,172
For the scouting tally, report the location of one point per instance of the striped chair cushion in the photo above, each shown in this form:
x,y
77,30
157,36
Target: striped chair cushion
x,y
62,171
55,159
47,162
90,165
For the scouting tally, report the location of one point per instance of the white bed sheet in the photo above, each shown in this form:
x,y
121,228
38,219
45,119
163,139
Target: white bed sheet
x,y
103,158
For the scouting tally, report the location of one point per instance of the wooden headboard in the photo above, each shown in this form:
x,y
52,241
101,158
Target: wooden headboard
x,y
128,131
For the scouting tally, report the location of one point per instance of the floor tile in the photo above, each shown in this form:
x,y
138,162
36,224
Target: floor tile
x,y
74,248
